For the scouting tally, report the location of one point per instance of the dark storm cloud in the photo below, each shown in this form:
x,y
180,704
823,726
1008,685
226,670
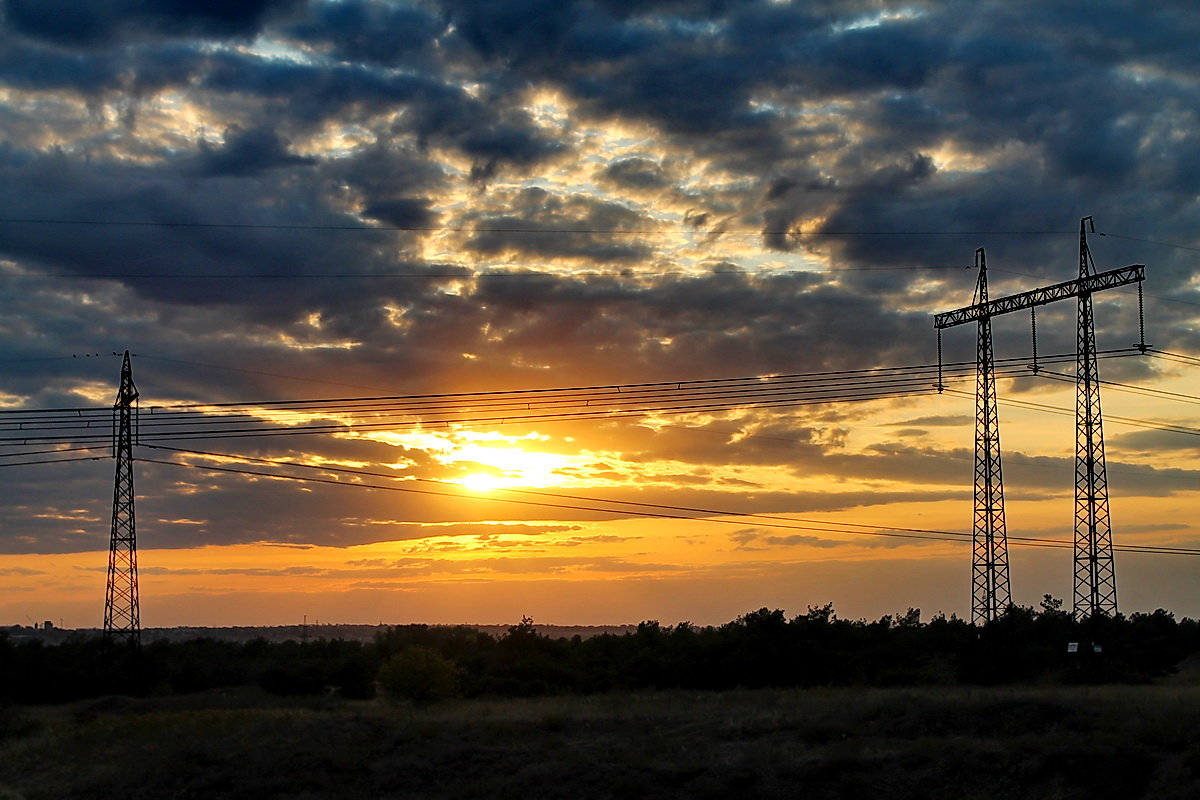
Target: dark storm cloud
x,y
388,170
636,173
310,93
703,323
548,226
42,518
490,129
134,73
690,67
404,212
246,152
56,186
106,22
355,31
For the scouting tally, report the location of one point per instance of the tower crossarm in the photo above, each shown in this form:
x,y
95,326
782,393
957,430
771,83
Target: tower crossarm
x,y
1040,297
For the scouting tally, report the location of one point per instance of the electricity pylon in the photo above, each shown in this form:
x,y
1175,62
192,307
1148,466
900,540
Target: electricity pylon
x,y
1095,576
1095,589
122,622
990,592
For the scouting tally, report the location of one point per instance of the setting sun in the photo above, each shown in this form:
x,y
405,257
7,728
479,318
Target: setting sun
x,y
507,466
480,482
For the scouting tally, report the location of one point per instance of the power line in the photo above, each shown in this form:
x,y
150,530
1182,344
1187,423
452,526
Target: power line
x,y
613,387
307,410
1131,421
633,388
51,461
254,372
53,358
644,400
53,450
759,393
1178,358
511,419
747,394
551,406
1152,241
548,408
1141,391
571,391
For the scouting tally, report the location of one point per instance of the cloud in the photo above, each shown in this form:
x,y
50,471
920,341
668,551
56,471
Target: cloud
x,y
763,539
1155,442
943,420
386,34
21,571
546,226
636,173
248,152
109,22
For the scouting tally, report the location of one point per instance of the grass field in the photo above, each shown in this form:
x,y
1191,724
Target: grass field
x,y
1096,742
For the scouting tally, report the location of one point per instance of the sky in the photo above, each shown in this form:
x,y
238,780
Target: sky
x,y
269,201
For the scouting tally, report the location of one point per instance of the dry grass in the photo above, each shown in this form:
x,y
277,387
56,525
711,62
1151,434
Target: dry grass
x,y
1098,742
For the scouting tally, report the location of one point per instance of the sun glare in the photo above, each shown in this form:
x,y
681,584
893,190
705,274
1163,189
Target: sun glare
x,y
481,482
508,466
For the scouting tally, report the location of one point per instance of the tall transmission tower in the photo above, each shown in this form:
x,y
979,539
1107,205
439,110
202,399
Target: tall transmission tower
x,y
1095,577
990,592
1095,589
122,622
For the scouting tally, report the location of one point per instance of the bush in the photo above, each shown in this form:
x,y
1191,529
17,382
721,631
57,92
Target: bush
x,y
419,674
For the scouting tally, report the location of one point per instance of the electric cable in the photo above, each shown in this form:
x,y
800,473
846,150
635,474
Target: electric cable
x,y
563,391
1140,391
1131,421
52,450
758,397
511,419
52,461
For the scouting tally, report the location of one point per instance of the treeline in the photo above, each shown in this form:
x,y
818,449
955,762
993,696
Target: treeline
x,y
764,648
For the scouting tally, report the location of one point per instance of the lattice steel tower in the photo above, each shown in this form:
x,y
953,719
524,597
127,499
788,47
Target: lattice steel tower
x,y
1095,589
1095,577
122,623
990,592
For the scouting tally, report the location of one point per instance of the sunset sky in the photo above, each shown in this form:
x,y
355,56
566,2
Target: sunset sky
x,y
297,200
